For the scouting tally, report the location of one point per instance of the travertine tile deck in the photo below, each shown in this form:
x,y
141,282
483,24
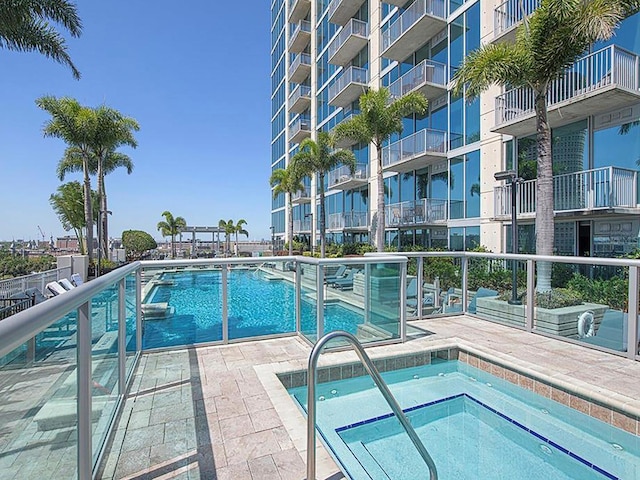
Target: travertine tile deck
x,y
221,413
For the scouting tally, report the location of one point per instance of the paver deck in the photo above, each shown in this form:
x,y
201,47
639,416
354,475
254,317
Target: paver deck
x,y
221,413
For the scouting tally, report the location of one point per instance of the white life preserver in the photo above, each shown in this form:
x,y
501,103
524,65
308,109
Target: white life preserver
x,y
586,324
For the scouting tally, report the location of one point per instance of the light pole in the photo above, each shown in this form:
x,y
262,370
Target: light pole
x,y
106,212
511,176
273,248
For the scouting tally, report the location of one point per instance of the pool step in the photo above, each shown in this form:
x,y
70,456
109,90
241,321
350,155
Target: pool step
x,y
367,331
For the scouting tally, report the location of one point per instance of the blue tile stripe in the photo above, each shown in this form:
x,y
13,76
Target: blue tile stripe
x,y
555,445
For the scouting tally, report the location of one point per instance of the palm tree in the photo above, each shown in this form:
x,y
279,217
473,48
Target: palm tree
x,y
287,181
68,203
229,229
552,38
318,158
239,230
379,118
72,162
25,26
171,226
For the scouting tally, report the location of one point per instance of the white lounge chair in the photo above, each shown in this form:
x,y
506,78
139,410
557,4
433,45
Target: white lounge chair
x,y
66,284
55,288
77,279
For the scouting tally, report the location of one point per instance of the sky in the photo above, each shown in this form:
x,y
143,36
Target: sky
x,y
195,75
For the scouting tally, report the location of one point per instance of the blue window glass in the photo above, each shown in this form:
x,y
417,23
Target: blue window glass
x,y
472,184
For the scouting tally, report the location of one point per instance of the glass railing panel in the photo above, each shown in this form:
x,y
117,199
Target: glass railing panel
x,y
38,430
308,302
261,299
104,364
414,295
131,322
382,321
182,306
442,285
588,303
344,298
490,293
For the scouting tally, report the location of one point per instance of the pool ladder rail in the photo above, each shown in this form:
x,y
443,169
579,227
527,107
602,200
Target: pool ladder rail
x,y
380,383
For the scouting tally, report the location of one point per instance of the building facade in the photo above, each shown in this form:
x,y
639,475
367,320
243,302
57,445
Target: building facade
x,y
439,173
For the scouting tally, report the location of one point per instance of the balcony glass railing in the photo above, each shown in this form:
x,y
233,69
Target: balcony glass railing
x,y
417,10
510,13
426,71
343,174
610,66
299,92
601,188
301,26
347,220
301,124
354,27
301,226
298,60
350,75
306,193
420,143
416,212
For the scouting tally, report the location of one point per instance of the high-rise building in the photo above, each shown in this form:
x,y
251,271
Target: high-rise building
x,y
439,174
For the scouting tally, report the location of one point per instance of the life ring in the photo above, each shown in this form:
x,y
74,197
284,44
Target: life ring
x,y
586,324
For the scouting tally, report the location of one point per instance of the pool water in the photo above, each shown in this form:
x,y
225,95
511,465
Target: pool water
x,y
256,307
474,425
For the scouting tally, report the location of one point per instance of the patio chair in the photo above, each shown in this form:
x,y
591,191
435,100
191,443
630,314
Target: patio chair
x,y
77,279
55,288
340,273
345,283
66,284
412,296
482,292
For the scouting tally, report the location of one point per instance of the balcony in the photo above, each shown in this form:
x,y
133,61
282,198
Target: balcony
x,y
299,130
415,151
589,190
300,36
353,37
340,11
302,226
300,99
346,142
602,81
348,87
426,211
342,179
428,78
417,24
298,9
508,15
348,221
300,68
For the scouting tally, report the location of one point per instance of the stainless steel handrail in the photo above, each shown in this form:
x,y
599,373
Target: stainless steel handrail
x,y
382,386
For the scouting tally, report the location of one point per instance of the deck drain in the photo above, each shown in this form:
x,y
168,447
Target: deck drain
x,y
441,374
617,446
488,384
334,392
415,377
321,398
544,449
545,411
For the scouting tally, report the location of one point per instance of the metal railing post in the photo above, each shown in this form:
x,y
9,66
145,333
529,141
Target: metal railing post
x,y
320,301
83,338
298,283
367,293
420,275
139,310
122,332
403,302
531,295
225,304
632,322
465,282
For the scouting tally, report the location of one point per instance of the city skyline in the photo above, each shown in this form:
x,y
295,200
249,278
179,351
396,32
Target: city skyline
x,y
196,101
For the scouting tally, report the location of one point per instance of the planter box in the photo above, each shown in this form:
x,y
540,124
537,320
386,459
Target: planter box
x,y
558,321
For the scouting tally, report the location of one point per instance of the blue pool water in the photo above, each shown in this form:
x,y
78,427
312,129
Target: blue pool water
x,y
256,306
474,425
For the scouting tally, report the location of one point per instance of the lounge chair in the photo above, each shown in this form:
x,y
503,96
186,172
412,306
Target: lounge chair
x,y
77,279
55,288
612,332
66,284
345,283
36,295
482,292
412,296
340,273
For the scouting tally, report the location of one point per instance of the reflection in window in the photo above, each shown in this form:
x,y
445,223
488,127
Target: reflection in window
x,y
472,184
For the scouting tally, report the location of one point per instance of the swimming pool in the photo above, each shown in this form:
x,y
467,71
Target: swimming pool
x,y
257,306
474,425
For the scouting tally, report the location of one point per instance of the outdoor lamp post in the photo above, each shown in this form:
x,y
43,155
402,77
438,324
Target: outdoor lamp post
x,y
106,212
273,248
511,176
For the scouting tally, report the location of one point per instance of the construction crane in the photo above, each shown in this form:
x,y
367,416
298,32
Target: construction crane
x,y
42,233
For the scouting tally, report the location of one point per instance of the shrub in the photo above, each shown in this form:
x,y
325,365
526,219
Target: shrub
x,y
612,292
558,298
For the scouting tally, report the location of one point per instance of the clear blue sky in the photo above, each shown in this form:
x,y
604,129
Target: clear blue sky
x,y
195,76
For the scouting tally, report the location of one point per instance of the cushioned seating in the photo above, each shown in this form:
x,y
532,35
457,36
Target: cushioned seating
x,y
482,292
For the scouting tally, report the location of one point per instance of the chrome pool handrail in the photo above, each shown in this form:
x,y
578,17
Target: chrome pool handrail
x,y
380,383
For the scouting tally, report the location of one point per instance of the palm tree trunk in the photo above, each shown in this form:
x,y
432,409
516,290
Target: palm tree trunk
x,y
88,208
544,193
102,215
290,225
323,225
380,205
173,246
